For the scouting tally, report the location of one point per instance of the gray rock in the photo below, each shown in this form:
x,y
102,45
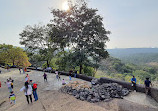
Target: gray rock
x,y
98,92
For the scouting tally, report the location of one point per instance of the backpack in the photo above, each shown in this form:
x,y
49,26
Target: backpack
x,y
34,86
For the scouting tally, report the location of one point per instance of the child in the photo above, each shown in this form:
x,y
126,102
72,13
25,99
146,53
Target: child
x,y
63,82
12,97
12,84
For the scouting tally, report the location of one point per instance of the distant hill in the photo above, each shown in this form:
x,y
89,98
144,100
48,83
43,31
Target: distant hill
x,y
135,55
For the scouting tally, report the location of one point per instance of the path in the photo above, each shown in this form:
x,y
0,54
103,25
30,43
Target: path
x,y
52,100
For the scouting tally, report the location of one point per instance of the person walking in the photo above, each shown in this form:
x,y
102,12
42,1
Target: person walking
x,y
133,81
45,77
34,89
147,84
27,91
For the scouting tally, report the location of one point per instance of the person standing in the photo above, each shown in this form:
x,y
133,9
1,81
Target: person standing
x,y
23,70
147,84
20,70
59,76
12,84
133,81
34,89
27,78
56,72
75,74
45,77
27,91
8,83
11,80
70,74
12,97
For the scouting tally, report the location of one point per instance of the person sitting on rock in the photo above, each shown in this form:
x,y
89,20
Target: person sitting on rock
x,y
63,82
133,81
147,84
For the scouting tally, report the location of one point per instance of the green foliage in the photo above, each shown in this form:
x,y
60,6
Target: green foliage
x,y
13,55
114,68
82,30
37,41
89,71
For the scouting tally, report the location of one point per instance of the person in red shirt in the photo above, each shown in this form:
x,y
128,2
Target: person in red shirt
x,y
34,89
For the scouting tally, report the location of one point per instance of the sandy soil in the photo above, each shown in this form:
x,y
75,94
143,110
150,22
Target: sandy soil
x,y
50,99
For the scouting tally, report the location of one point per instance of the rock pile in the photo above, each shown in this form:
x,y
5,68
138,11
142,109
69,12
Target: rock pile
x,y
95,93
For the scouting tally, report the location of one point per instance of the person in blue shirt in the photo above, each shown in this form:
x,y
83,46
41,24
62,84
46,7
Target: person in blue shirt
x,y
133,81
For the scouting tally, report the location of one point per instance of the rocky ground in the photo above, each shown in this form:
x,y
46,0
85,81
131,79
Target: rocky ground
x,y
50,99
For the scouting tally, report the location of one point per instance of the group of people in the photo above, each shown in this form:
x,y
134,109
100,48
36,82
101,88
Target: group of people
x,y
22,69
9,84
29,88
58,77
70,75
147,84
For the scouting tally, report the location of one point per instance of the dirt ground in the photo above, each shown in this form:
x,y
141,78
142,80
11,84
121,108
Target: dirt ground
x,y
50,99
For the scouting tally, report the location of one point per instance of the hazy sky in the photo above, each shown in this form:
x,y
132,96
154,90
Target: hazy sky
x,y
133,23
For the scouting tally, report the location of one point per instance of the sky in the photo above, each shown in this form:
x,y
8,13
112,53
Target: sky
x,y
133,23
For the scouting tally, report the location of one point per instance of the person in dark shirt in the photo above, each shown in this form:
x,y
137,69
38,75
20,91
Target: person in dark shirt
x,y
45,76
147,84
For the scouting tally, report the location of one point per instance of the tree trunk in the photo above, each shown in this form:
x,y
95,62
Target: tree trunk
x,y
13,62
80,69
47,63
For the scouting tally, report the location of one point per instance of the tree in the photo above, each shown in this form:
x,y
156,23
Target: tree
x,y
13,55
80,29
37,41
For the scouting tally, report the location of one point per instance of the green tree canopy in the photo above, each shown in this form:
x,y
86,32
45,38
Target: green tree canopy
x,y
80,29
13,55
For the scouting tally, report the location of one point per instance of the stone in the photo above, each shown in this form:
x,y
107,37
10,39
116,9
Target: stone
x,y
97,92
